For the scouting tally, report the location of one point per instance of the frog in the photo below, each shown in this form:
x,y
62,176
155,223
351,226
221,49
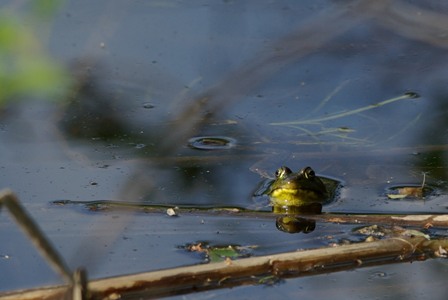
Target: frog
x,y
302,188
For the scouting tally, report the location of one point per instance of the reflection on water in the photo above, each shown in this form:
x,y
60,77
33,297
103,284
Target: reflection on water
x,y
113,114
295,225
92,113
116,112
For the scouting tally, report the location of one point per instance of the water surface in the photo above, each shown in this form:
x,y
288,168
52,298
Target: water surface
x,y
149,76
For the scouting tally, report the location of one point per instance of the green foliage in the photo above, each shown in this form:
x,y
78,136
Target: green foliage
x,y
26,70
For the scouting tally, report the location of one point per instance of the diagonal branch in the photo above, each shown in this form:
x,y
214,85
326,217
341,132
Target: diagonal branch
x,y
191,279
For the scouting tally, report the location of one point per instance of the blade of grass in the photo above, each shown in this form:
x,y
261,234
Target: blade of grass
x,y
347,113
329,97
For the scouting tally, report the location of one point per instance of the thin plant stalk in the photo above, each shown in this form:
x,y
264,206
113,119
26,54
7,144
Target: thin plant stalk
x,y
346,113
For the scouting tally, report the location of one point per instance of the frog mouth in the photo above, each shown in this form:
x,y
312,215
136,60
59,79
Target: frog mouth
x,y
285,192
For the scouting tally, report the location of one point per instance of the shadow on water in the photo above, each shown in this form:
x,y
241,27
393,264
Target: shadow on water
x,y
280,97
98,114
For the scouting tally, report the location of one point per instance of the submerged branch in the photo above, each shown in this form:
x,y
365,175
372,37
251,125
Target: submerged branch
x,y
419,220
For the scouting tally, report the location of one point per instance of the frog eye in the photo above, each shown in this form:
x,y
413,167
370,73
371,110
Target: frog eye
x,y
282,172
309,173
278,173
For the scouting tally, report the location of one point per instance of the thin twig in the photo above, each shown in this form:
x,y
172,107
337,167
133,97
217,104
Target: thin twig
x,y
35,234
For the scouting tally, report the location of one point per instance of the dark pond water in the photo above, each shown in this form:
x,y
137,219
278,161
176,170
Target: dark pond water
x,y
278,79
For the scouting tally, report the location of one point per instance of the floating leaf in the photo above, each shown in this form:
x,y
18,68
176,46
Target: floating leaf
x,y
409,191
219,253
396,196
412,233
402,192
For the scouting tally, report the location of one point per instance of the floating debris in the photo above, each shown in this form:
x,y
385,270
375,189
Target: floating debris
x,y
270,280
377,231
219,253
373,230
140,146
409,191
441,252
171,212
406,192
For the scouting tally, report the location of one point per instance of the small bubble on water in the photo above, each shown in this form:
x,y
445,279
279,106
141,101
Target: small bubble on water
x,y
379,274
211,143
148,105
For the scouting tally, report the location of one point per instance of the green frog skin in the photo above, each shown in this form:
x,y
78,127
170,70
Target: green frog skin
x,y
296,189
